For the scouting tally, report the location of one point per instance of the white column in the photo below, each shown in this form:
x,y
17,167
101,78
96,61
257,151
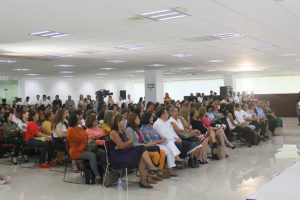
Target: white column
x,y
230,80
154,88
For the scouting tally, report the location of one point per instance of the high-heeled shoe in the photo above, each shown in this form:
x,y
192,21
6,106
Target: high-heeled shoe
x,y
191,163
203,162
231,147
196,162
145,186
14,162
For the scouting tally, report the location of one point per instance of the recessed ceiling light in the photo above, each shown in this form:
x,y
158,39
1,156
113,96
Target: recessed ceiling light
x,y
130,47
139,71
181,55
39,78
131,75
230,35
287,54
211,70
216,61
107,68
21,69
49,34
63,65
164,14
60,55
100,77
7,61
66,72
156,65
168,73
68,76
264,47
32,74
115,61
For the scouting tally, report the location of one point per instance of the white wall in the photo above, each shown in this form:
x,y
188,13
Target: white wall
x,y
178,89
74,88
269,84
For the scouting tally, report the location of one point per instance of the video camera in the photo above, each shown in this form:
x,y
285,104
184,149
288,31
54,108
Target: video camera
x,y
101,94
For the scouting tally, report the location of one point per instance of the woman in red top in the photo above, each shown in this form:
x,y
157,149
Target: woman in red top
x,y
78,140
34,137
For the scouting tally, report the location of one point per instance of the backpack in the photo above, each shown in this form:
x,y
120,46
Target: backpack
x,y
88,174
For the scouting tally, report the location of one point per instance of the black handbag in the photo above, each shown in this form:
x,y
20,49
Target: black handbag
x,y
154,149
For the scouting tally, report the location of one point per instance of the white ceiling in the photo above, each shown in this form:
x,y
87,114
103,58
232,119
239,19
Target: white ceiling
x,y
99,26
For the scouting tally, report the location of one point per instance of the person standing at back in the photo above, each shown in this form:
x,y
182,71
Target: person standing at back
x,y
298,108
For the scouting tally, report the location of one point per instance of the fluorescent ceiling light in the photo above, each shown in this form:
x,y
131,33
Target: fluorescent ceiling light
x,y
107,68
32,74
68,76
165,14
66,72
155,12
181,55
99,77
287,54
49,34
264,47
60,54
7,61
156,65
130,47
63,65
39,78
230,35
174,17
115,61
139,71
129,75
101,74
21,69
162,15
60,35
168,73
212,70
216,61
3,76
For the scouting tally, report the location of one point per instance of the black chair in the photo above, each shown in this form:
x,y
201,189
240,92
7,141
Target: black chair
x,y
69,160
3,145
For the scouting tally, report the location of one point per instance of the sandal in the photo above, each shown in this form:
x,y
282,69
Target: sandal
x,y
75,168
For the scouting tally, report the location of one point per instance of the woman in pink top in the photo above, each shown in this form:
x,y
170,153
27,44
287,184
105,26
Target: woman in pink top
x,y
91,123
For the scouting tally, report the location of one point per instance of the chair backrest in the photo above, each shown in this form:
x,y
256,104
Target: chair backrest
x,y
107,151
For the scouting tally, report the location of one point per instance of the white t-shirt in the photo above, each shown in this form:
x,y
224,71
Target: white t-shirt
x,y
165,130
37,102
178,122
129,101
239,117
45,102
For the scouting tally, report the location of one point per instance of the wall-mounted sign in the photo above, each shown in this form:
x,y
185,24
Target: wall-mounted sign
x,y
150,85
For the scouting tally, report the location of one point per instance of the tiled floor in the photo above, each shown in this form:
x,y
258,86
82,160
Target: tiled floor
x,y
235,178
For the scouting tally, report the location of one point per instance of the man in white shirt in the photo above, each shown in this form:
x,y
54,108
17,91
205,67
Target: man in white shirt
x,y
45,101
239,117
17,115
165,130
37,101
19,103
27,101
120,102
129,100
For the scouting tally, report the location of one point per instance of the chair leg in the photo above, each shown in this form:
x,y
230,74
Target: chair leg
x,y
104,179
126,171
66,166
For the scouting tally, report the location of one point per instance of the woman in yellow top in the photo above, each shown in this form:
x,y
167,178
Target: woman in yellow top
x,y
46,126
167,98
108,121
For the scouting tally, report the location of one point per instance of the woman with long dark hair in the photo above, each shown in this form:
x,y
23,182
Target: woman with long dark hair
x,y
124,154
